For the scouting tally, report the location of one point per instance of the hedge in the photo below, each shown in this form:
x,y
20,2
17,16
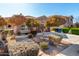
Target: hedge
x,y
75,31
65,30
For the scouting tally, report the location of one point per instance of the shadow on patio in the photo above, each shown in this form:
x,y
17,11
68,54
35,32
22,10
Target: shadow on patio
x,y
72,50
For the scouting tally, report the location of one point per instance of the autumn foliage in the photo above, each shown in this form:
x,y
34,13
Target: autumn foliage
x,y
2,21
17,20
55,21
32,22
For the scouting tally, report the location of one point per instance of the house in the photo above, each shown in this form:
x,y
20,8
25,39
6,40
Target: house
x,y
68,22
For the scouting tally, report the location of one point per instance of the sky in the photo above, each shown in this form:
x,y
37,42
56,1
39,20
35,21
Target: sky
x,y
39,9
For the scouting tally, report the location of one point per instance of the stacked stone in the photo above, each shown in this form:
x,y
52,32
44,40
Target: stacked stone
x,y
24,49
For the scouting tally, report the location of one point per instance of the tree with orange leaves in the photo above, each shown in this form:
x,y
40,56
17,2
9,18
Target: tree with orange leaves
x,y
17,20
33,23
2,21
55,21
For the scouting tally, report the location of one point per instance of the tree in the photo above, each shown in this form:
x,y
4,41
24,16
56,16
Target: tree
x,y
55,21
17,20
2,21
32,23
76,24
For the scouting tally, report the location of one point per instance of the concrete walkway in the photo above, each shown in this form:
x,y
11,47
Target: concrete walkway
x,y
74,39
72,50
41,53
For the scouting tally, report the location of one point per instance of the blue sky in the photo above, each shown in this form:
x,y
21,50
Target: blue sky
x,y
8,9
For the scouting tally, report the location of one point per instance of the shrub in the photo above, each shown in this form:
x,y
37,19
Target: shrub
x,y
34,33
25,49
6,31
44,45
65,30
75,31
32,51
55,39
30,36
72,30
9,32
